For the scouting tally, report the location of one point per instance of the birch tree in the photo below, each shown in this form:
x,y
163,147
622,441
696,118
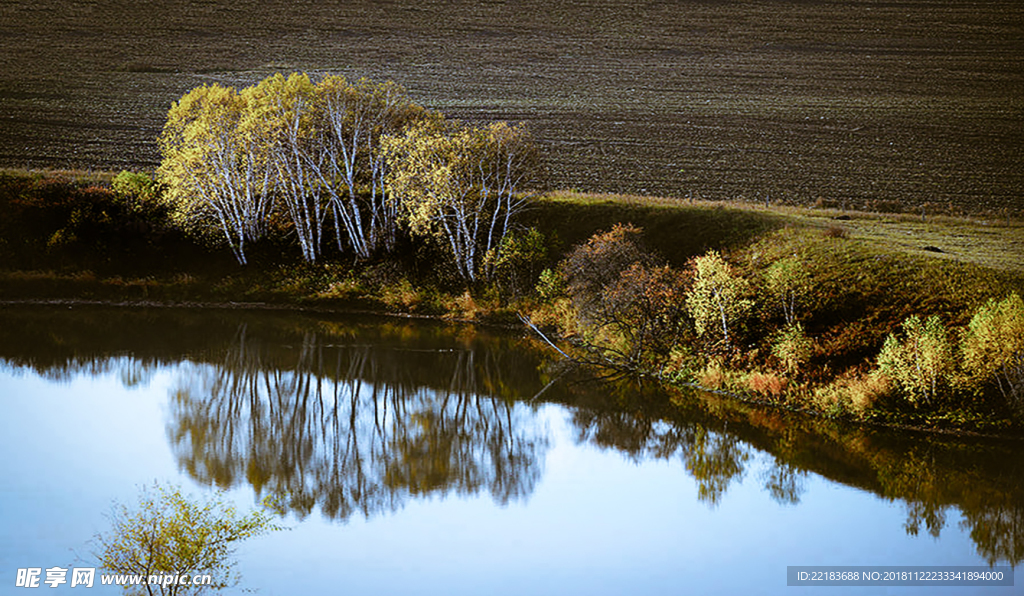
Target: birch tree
x,y
281,116
217,179
993,348
788,282
716,300
921,362
465,184
350,123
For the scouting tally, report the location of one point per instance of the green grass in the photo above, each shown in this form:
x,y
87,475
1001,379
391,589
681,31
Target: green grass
x,y
675,229
680,228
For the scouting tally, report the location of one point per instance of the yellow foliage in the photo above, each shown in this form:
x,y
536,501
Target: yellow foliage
x,y
993,347
716,299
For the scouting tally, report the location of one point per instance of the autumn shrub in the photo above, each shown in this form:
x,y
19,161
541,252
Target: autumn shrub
x,y
853,392
402,296
792,347
50,220
864,391
713,375
557,314
766,384
835,232
595,265
681,364
169,533
628,305
646,306
830,400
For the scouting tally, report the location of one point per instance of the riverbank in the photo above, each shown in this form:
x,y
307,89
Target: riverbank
x,y
862,276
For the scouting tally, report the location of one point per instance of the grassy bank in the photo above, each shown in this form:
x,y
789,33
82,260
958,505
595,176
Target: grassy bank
x,y
73,236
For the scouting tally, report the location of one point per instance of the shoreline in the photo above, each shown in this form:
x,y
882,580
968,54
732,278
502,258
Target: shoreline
x,y
296,308
850,282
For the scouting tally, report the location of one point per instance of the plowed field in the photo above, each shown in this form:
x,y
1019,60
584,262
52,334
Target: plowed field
x,y
890,104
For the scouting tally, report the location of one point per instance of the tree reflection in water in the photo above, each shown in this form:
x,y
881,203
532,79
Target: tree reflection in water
x,y
713,459
360,415
716,439
347,428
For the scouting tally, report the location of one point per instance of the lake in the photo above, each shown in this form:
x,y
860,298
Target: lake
x,y
414,457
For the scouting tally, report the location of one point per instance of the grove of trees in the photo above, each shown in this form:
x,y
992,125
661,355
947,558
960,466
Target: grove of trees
x,y
357,161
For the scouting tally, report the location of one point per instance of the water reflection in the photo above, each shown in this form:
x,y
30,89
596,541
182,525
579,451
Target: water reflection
x,y
715,437
350,428
358,417
713,459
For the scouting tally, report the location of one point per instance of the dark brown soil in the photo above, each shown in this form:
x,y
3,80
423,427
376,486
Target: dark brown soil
x,y
891,104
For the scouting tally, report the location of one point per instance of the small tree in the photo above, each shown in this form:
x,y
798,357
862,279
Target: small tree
x,y
516,260
168,534
628,304
788,282
921,363
993,348
716,300
595,265
645,306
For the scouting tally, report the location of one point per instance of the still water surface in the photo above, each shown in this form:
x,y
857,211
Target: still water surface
x,y
420,458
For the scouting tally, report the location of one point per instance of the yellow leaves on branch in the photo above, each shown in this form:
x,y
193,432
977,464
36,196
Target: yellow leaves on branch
x,y
170,533
716,301
462,183
359,156
993,347
921,361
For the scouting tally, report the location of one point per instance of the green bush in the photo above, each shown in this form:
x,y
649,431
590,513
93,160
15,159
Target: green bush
x,y
134,187
792,347
515,263
921,363
550,285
